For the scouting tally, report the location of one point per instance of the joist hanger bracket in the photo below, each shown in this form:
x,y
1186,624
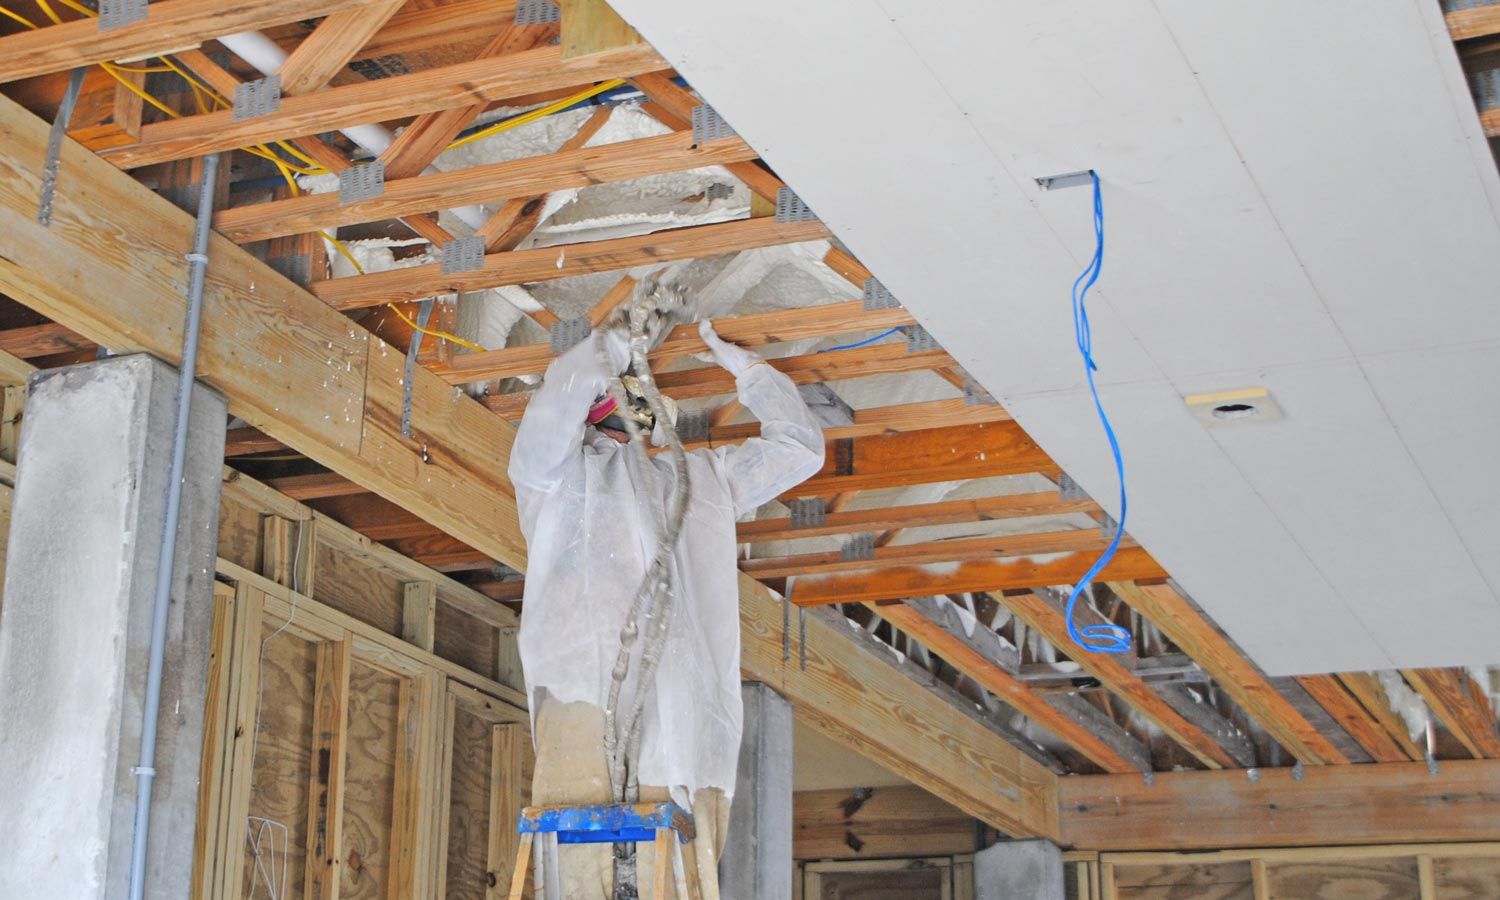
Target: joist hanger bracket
x,y
878,297
860,546
808,512
708,125
919,339
569,332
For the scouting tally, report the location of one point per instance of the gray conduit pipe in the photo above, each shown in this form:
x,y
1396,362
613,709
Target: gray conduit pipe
x,y
145,769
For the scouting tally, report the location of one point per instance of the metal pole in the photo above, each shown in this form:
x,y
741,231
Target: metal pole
x,y
145,769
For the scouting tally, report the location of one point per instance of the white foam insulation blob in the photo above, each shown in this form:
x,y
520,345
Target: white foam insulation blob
x,y
1319,219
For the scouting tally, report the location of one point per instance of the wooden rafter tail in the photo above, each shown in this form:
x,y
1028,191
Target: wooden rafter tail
x,y
1186,627
1371,694
448,87
1352,717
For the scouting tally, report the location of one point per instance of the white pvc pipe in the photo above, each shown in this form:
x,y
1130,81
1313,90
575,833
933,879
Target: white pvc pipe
x,y
267,56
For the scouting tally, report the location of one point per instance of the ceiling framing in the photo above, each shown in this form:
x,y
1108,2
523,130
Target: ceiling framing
x,y
979,613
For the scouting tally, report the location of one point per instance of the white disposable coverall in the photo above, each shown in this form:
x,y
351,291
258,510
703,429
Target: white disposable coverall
x,y
591,528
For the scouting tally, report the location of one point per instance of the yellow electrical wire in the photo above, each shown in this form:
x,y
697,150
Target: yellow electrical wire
x,y
344,251
539,113
18,18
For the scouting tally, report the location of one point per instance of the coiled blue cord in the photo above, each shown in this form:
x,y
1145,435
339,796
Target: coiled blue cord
x,y
1101,638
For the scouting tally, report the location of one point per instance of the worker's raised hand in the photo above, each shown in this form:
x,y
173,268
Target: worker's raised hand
x,y
735,360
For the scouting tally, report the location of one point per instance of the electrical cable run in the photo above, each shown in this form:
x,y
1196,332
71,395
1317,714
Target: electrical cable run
x,y
864,343
1107,637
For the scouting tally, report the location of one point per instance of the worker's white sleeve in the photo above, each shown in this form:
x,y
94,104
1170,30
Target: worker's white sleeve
x,y
549,443
789,449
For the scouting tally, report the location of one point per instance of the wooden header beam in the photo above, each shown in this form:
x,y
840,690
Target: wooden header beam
x,y
1369,804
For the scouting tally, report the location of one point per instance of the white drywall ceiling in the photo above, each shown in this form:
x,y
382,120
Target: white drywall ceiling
x,y
1298,196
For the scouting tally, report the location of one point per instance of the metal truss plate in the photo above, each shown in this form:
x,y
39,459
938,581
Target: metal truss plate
x,y
1108,527
1485,86
859,546
719,191
877,296
568,332
919,340
1068,489
975,394
693,426
808,512
708,125
297,267
537,12
463,254
790,208
114,13
361,182
257,98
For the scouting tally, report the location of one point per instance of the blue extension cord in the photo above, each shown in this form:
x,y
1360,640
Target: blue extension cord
x,y
1102,638
863,343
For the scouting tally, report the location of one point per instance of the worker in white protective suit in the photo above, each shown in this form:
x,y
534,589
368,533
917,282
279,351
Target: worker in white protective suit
x,y
591,529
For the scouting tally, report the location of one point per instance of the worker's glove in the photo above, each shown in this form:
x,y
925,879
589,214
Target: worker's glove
x,y
735,360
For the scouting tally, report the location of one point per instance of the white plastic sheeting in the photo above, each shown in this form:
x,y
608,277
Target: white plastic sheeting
x,y
591,528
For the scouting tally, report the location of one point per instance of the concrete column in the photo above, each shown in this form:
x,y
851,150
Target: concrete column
x,y
1019,870
757,859
86,526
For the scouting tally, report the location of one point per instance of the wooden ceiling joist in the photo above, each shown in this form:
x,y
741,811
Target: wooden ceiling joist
x,y
1371,694
925,457
979,575
953,550
566,261
169,25
748,331
970,654
1176,617
947,512
397,97
1461,705
481,184
1352,717
1047,619
1479,21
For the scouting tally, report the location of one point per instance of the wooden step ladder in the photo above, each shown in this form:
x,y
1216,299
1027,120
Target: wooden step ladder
x,y
666,825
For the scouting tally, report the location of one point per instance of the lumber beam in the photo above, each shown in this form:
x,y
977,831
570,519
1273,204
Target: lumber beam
x,y
1479,21
901,821
1370,693
753,330
1380,803
1180,620
1352,717
331,46
947,512
1461,705
481,184
288,364
708,381
169,25
864,702
951,550
1047,619
47,339
897,582
447,87
924,457
975,655
565,261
